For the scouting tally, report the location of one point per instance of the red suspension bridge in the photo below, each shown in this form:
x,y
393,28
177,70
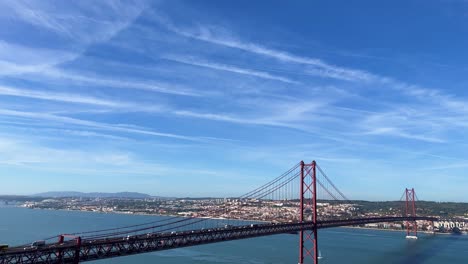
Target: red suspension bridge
x,y
285,212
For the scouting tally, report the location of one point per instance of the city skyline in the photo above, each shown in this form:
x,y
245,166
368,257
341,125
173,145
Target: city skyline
x,y
176,98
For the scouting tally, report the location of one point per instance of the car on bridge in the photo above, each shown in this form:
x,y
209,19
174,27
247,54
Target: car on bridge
x,y
90,241
128,237
38,244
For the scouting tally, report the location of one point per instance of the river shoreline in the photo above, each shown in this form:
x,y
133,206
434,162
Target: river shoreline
x,y
396,230
337,245
172,215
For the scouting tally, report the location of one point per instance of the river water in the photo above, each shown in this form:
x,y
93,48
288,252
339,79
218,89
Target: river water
x,y
337,245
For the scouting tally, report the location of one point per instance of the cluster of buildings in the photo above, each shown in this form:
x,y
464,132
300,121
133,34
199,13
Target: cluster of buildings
x,y
251,209
244,209
447,225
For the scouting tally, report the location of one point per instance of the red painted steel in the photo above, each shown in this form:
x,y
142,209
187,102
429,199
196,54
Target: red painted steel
x,y
91,250
308,201
77,251
61,240
314,202
60,252
301,215
411,226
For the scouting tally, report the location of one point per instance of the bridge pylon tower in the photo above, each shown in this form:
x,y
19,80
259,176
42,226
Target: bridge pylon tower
x,y
410,211
308,242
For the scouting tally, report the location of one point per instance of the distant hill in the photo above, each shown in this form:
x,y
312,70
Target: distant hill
x,y
133,195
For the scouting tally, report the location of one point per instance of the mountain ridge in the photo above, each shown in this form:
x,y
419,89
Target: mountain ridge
x,y
61,194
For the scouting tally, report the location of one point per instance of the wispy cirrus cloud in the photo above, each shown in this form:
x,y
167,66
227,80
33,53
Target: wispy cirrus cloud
x,y
230,68
16,59
62,97
448,106
294,114
397,132
29,154
132,129
16,151
222,37
107,80
79,21
48,71
417,122
321,68
43,65
145,85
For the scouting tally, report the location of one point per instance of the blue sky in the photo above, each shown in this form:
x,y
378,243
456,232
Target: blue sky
x,y
212,98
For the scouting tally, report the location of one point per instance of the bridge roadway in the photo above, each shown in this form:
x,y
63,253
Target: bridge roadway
x,y
72,252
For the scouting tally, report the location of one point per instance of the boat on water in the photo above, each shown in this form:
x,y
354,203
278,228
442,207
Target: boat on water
x,y
320,255
411,237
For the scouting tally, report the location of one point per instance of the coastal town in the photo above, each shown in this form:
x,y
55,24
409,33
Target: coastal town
x,y
247,209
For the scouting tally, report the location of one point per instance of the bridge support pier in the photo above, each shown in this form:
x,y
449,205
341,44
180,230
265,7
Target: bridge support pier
x,y
77,251
60,252
308,240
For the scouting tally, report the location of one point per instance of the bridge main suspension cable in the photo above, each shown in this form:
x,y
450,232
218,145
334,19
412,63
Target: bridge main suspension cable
x,y
172,223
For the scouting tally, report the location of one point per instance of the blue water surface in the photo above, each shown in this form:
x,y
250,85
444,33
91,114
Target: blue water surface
x,y
337,245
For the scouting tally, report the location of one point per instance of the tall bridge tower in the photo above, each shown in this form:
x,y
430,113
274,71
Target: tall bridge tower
x,y
410,211
308,246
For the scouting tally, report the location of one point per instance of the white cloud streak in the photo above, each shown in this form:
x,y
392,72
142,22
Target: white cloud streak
x,y
152,86
84,22
61,97
291,114
230,68
19,59
451,109
47,70
393,131
97,125
322,68
317,67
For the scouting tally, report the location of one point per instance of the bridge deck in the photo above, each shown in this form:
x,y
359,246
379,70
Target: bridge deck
x,y
70,252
